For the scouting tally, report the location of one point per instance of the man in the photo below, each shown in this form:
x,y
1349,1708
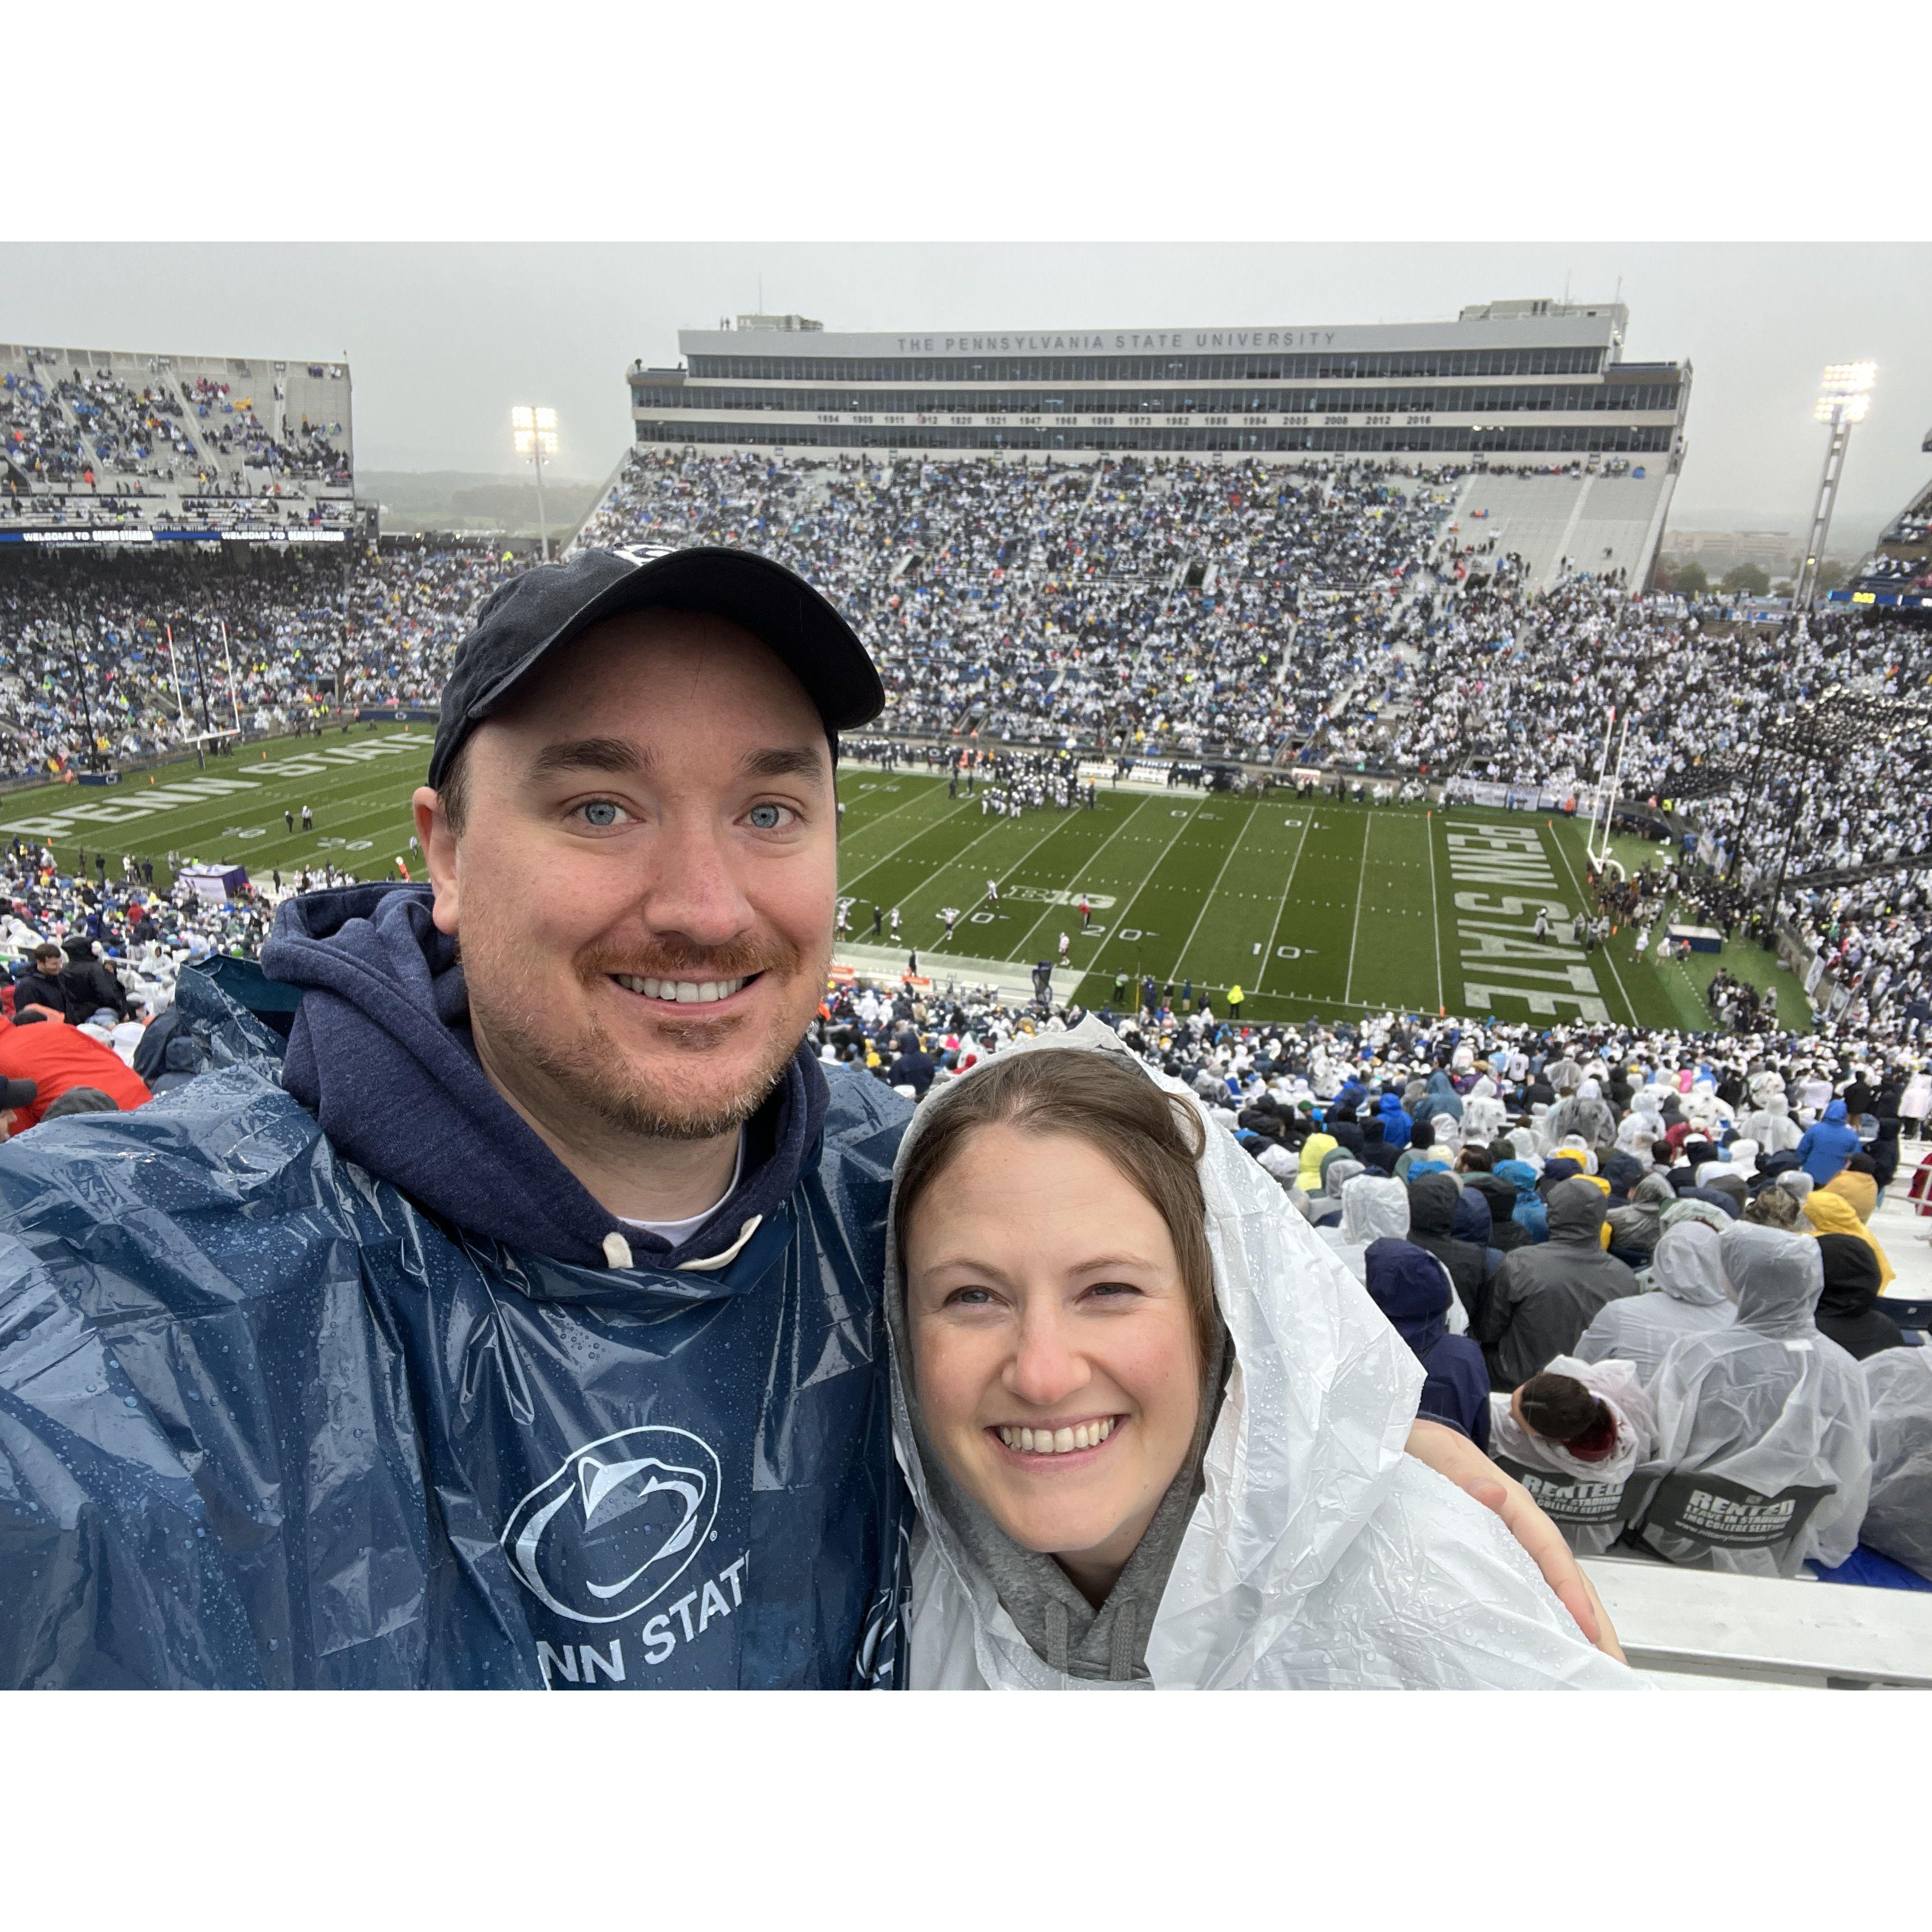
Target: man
x,y
14,1095
88,984
1545,1296
1824,1149
913,1066
1432,1214
581,1244
41,986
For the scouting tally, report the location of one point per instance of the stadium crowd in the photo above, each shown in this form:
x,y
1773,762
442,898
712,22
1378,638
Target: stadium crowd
x,y
92,428
1612,1253
89,671
1162,610
1640,1269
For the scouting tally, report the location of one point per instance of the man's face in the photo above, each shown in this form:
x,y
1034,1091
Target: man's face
x,y
643,884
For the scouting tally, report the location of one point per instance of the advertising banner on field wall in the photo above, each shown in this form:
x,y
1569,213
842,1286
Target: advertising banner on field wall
x,y
60,539
1516,798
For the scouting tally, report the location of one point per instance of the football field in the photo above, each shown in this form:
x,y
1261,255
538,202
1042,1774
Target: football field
x,y
237,810
1313,908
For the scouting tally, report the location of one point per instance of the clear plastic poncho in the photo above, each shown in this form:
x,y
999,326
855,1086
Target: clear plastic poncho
x,y
1319,1556
1898,1519
1762,1427
1374,1208
1687,1273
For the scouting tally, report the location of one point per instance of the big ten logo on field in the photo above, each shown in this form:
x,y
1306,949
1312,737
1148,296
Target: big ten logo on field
x,y
1061,896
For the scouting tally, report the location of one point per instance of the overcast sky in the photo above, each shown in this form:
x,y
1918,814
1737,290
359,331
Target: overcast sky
x,y
443,338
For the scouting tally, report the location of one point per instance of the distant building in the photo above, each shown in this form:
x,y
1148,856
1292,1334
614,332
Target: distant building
x,y
1515,383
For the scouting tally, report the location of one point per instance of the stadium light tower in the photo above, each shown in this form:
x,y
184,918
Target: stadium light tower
x,y
1844,398
536,432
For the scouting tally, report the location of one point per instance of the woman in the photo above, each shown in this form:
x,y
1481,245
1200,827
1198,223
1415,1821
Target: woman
x,y
1155,1433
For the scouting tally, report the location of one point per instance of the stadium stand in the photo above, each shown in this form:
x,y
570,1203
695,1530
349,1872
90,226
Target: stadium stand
x,y
96,440
1351,614
1606,519
1901,561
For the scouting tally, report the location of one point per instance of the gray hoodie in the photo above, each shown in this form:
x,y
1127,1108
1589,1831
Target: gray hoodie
x,y
1545,1296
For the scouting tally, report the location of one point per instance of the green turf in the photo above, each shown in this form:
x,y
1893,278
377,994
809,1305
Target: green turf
x,y
358,787
1312,908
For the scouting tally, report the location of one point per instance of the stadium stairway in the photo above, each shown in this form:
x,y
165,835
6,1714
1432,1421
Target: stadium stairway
x,y
1546,518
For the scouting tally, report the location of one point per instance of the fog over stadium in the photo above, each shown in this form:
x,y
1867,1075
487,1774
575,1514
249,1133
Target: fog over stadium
x,y
444,338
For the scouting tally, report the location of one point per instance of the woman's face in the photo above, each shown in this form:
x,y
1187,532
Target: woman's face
x,y
1047,1311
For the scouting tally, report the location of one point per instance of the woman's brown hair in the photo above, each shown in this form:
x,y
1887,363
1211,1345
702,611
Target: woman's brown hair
x,y
1155,1138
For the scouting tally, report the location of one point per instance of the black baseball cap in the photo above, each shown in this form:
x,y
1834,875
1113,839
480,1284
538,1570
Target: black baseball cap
x,y
534,614
15,1094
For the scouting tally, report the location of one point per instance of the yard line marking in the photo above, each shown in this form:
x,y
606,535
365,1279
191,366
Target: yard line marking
x,y
1434,906
1361,892
845,885
1211,891
1287,885
919,797
1093,963
1026,938
1052,832
1630,1011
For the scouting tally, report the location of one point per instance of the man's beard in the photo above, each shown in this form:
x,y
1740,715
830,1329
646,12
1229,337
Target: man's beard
x,y
596,1074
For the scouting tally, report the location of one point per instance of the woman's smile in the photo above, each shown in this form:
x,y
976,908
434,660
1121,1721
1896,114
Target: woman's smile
x,y
1062,1444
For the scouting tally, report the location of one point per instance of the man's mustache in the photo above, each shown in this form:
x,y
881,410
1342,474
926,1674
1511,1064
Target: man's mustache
x,y
739,959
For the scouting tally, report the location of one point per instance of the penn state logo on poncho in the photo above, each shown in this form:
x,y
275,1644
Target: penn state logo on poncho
x,y
616,1524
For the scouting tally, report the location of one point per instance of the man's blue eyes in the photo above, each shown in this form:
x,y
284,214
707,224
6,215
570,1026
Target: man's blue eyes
x,y
603,813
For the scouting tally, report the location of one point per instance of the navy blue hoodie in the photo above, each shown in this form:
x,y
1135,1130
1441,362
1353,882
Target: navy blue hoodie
x,y
1408,1285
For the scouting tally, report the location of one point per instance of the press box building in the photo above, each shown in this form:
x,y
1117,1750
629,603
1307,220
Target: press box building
x,y
1518,383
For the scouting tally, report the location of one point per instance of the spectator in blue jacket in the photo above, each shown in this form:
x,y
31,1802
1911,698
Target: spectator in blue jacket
x,y
1531,1214
1825,1148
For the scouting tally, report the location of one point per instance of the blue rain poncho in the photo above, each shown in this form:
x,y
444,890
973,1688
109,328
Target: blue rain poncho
x,y
268,1419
